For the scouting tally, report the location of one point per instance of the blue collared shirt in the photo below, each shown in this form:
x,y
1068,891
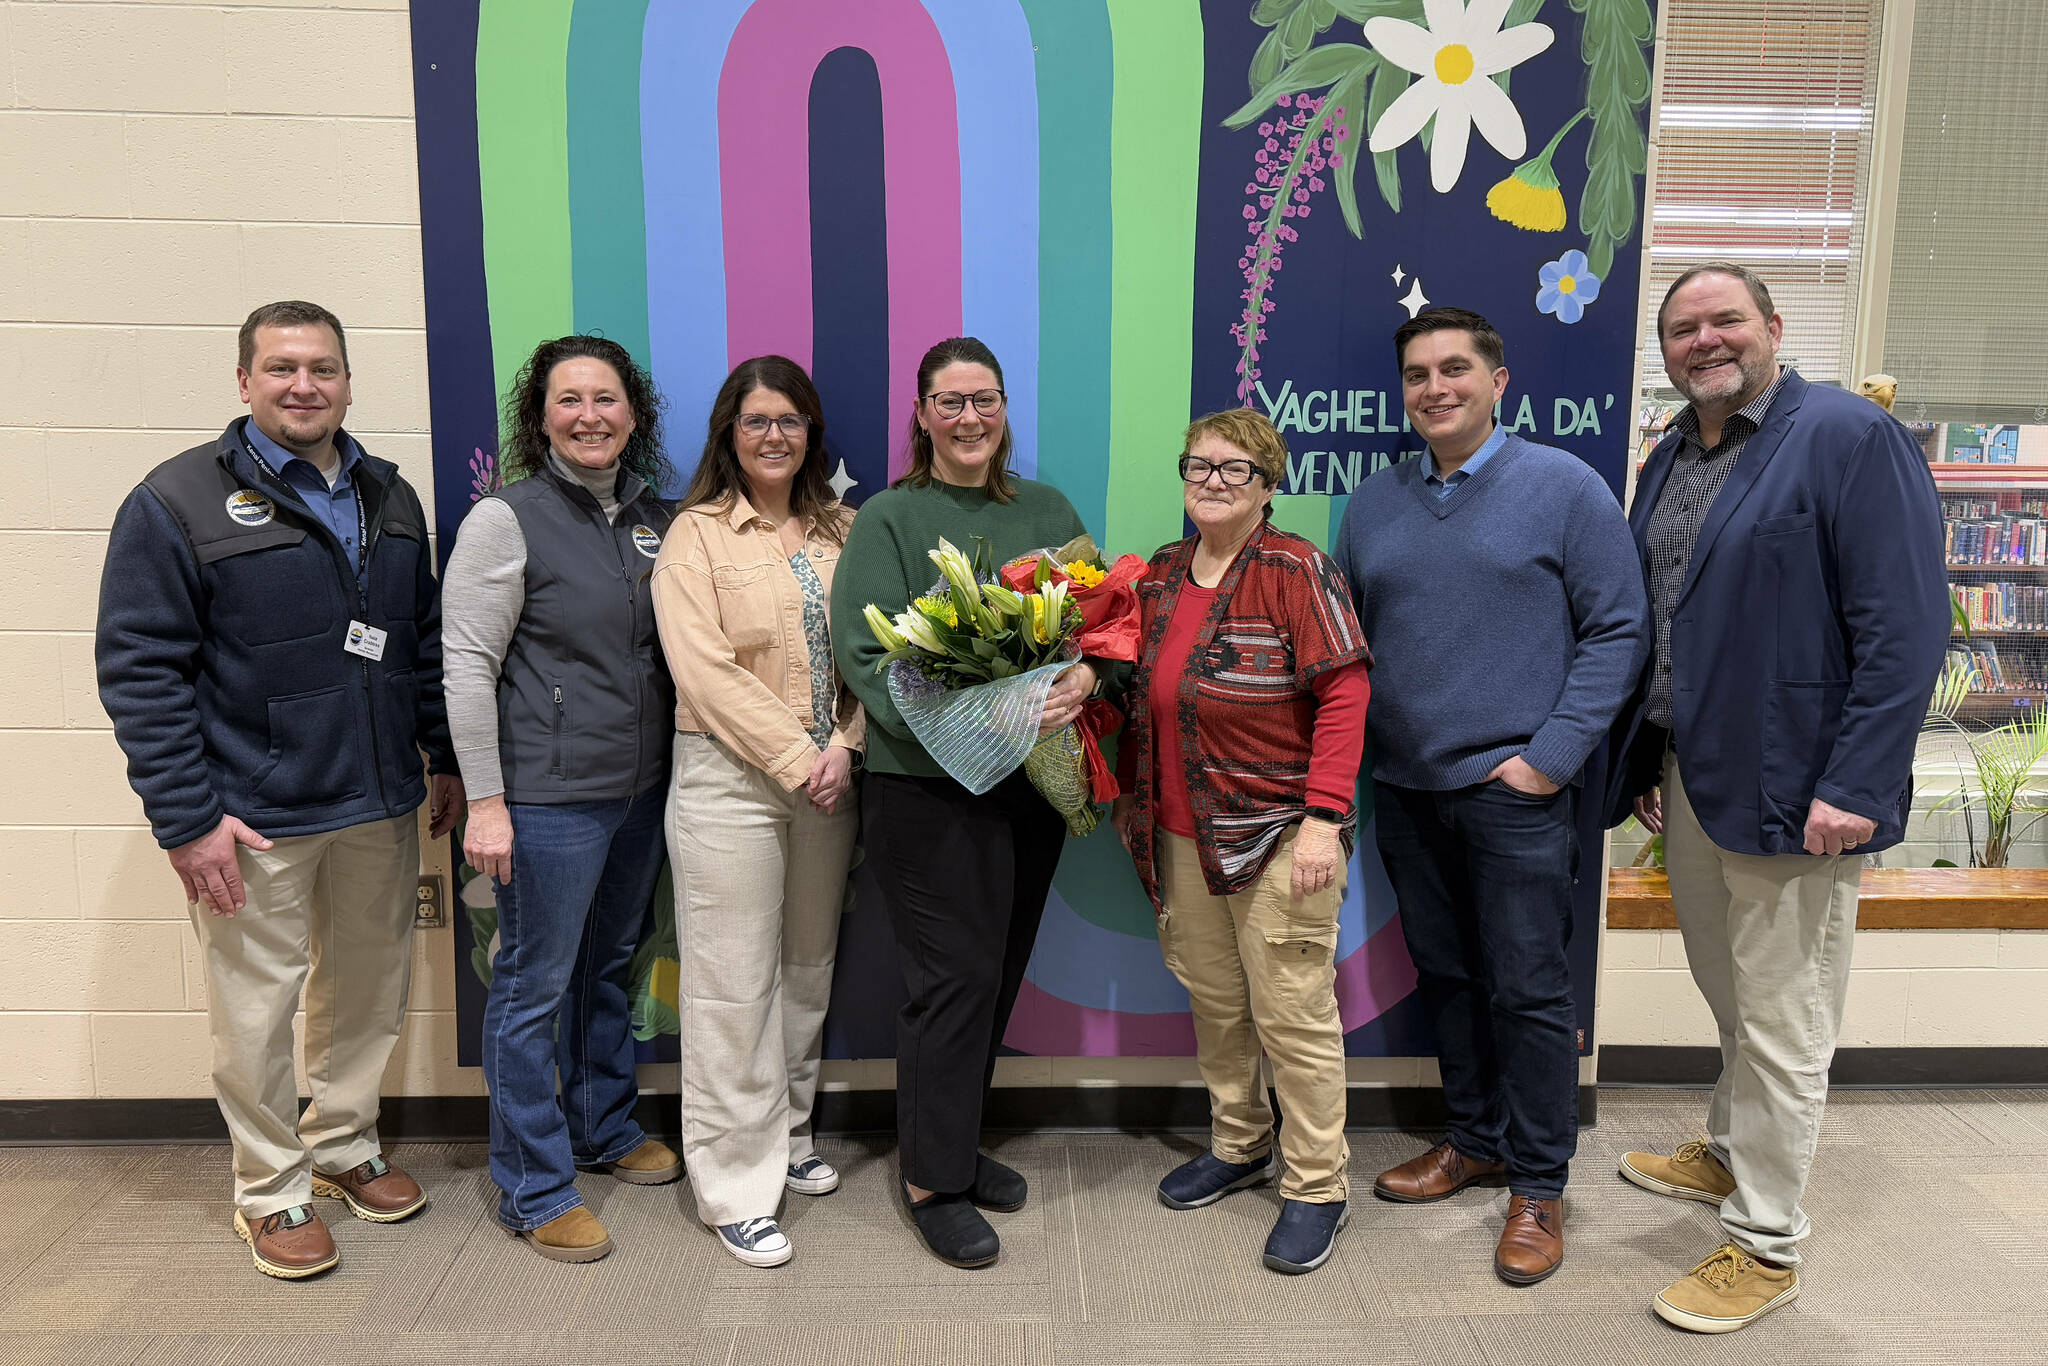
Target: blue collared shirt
x,y
336,507
1446,485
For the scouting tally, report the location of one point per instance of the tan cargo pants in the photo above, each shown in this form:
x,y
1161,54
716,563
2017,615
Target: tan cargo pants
x,y
1261,972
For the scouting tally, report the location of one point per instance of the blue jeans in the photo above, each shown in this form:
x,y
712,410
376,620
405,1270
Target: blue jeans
x,y
583,877
1484,880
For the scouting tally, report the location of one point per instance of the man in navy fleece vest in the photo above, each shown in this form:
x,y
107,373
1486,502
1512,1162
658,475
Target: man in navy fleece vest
x,y
269,648
1498,584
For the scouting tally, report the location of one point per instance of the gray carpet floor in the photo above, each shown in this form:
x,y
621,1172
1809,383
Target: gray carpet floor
x,y
1930,1244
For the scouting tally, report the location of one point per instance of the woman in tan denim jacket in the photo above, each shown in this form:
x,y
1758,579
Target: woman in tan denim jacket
x,y
761,809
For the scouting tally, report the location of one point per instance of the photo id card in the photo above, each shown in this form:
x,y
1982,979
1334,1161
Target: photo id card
x,y
366,641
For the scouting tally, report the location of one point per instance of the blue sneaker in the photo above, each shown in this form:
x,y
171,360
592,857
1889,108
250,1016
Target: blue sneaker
x,y
1304,1235
1208,1178
757,1242
812,1176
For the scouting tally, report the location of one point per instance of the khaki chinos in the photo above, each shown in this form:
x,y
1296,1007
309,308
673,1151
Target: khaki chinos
x,y
330,914
1260,970
1768,939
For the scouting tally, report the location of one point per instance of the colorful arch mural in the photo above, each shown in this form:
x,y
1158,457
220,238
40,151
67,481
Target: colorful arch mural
x,y
1075,182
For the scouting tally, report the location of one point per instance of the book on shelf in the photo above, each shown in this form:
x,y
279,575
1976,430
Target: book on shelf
x,y
2004,606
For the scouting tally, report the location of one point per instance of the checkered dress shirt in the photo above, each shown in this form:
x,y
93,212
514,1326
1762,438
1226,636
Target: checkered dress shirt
x,y
1688,494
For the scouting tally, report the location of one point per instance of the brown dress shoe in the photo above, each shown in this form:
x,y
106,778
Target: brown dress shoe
x,y
1441,1172
291,1244
573,1237
376,1191
1532,1244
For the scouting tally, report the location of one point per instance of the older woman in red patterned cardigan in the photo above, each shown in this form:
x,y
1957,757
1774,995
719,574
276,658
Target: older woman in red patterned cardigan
x,y
1240,768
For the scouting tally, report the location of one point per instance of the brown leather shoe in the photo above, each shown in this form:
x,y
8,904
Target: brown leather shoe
x,y
1441,1172
376,1191
291,1244
573,1237
1532,1244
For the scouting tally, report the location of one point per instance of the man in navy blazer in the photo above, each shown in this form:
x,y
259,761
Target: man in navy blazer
x,y
1792,542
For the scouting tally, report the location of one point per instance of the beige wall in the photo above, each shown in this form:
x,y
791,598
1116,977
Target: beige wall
x,y
1907,989
163,168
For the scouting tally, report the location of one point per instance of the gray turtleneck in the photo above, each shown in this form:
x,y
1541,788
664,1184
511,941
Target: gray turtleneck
x,y
482,594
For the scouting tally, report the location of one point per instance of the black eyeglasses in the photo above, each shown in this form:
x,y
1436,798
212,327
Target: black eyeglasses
x,y
1235,473
792,425
987,402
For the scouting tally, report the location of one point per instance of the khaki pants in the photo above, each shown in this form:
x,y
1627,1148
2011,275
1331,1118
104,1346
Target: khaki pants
x,y
760,878
331,915
1768,939
1260,969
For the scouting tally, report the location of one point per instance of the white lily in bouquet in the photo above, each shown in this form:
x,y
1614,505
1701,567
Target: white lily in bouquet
x,y
970,664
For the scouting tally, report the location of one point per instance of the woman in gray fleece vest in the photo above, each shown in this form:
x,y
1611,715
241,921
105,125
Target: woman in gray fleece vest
x,y
560,711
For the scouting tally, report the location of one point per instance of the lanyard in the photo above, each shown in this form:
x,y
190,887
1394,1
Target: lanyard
x,y
355,491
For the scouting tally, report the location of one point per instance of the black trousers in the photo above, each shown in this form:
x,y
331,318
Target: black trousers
x,y
964,880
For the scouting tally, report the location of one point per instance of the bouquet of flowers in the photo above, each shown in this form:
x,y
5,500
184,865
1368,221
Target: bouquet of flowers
x,y
971,662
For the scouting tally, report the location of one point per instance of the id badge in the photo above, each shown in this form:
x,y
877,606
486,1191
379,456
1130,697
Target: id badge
x,y
366,641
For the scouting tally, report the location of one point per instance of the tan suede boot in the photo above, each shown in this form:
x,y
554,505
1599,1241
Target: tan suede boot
x,y
573,1237
653,1163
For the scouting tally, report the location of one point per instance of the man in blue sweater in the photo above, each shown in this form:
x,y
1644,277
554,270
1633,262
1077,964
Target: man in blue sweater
x,y
1498,584
269,648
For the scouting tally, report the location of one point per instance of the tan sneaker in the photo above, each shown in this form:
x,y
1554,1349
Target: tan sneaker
x,y
573,1237
1729,1290
1691,1173
290,1244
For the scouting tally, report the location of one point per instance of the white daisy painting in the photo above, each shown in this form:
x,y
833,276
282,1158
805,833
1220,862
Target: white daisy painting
x,y
1454,59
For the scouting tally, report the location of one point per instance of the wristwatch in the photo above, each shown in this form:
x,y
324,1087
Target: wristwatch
x,y
1327,813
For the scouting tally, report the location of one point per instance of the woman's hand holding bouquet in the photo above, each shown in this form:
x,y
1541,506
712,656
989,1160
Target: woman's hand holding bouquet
x,y
973,662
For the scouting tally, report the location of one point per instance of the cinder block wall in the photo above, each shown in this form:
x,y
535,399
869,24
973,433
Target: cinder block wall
x,y
163,168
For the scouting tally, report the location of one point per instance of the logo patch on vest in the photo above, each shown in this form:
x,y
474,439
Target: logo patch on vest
x,y
250,508
648,543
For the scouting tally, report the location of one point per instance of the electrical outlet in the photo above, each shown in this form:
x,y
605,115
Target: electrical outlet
x,y
428,910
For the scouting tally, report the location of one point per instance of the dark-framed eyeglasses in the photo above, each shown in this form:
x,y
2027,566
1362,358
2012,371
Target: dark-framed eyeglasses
x,y
987,402
1235,473
791,425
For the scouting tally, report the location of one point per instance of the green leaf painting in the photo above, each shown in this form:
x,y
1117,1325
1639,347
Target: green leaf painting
x,y
1617,35
1386,88
1348,95
1324,66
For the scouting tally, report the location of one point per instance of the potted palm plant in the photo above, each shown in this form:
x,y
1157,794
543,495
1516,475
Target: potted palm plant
x,y
1991,793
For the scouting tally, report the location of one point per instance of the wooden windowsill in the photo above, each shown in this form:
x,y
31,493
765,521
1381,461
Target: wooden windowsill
x,y
1893,899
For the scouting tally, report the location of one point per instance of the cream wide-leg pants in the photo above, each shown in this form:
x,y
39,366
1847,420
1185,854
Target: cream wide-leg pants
x,y
1768,938
760,877
330,915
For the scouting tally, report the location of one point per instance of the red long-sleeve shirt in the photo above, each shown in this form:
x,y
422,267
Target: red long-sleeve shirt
x,y
1336,749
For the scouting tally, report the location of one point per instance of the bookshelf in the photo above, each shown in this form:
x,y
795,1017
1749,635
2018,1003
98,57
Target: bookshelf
x,y
1995,531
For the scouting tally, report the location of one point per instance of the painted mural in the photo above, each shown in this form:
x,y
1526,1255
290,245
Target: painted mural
x,y
1148,208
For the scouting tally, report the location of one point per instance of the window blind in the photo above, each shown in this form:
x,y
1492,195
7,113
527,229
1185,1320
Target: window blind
x,y
1966,330
1763,159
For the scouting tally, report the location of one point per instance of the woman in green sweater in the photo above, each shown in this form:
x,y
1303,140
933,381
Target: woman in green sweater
x,y
964,878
